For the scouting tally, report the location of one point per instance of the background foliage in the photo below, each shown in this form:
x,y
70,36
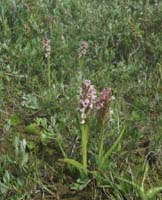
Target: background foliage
x,y
37,129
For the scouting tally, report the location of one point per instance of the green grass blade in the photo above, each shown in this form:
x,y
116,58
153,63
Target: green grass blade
x,y
139,189
145,175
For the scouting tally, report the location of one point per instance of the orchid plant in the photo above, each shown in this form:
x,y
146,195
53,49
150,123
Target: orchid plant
x,y
81,54
101,105
47,53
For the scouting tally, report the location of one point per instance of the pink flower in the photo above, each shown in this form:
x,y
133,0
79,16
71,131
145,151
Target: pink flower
x,y
46,47
87,99
83,48
103,98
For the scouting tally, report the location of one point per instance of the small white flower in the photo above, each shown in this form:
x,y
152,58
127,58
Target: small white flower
x,y
24,143
111,112
112,98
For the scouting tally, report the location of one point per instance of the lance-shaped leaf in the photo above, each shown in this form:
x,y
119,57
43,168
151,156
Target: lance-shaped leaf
x,y
113,147
75,163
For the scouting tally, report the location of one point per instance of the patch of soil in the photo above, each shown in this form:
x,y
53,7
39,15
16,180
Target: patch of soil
x,y
63,193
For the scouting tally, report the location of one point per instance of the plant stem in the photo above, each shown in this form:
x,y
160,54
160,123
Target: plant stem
x,y
144,176
81,64
81,68
84,141
62,150
49,71
101,143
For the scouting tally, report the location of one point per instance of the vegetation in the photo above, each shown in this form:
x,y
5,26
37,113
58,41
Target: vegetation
x,y
80,99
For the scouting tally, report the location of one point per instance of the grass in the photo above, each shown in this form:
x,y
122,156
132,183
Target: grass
x,y
39,120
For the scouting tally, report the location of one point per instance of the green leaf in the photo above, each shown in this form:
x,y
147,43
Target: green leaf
x,y
31,128
113,147
6,177
80,184
14,120
152,192
30,101
31,145
25,159
139,189
75,163
3,188
145,175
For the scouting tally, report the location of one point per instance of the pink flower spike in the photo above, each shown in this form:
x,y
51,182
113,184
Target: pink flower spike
x,y
46,47
87,99
103,98
83,48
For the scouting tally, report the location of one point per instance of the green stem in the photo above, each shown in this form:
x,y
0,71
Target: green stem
x,y
101,143
62,150
81,64
49,71
84,141
81,68
144,176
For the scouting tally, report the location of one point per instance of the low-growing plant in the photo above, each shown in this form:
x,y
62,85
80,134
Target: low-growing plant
x,y
144,194
100,106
